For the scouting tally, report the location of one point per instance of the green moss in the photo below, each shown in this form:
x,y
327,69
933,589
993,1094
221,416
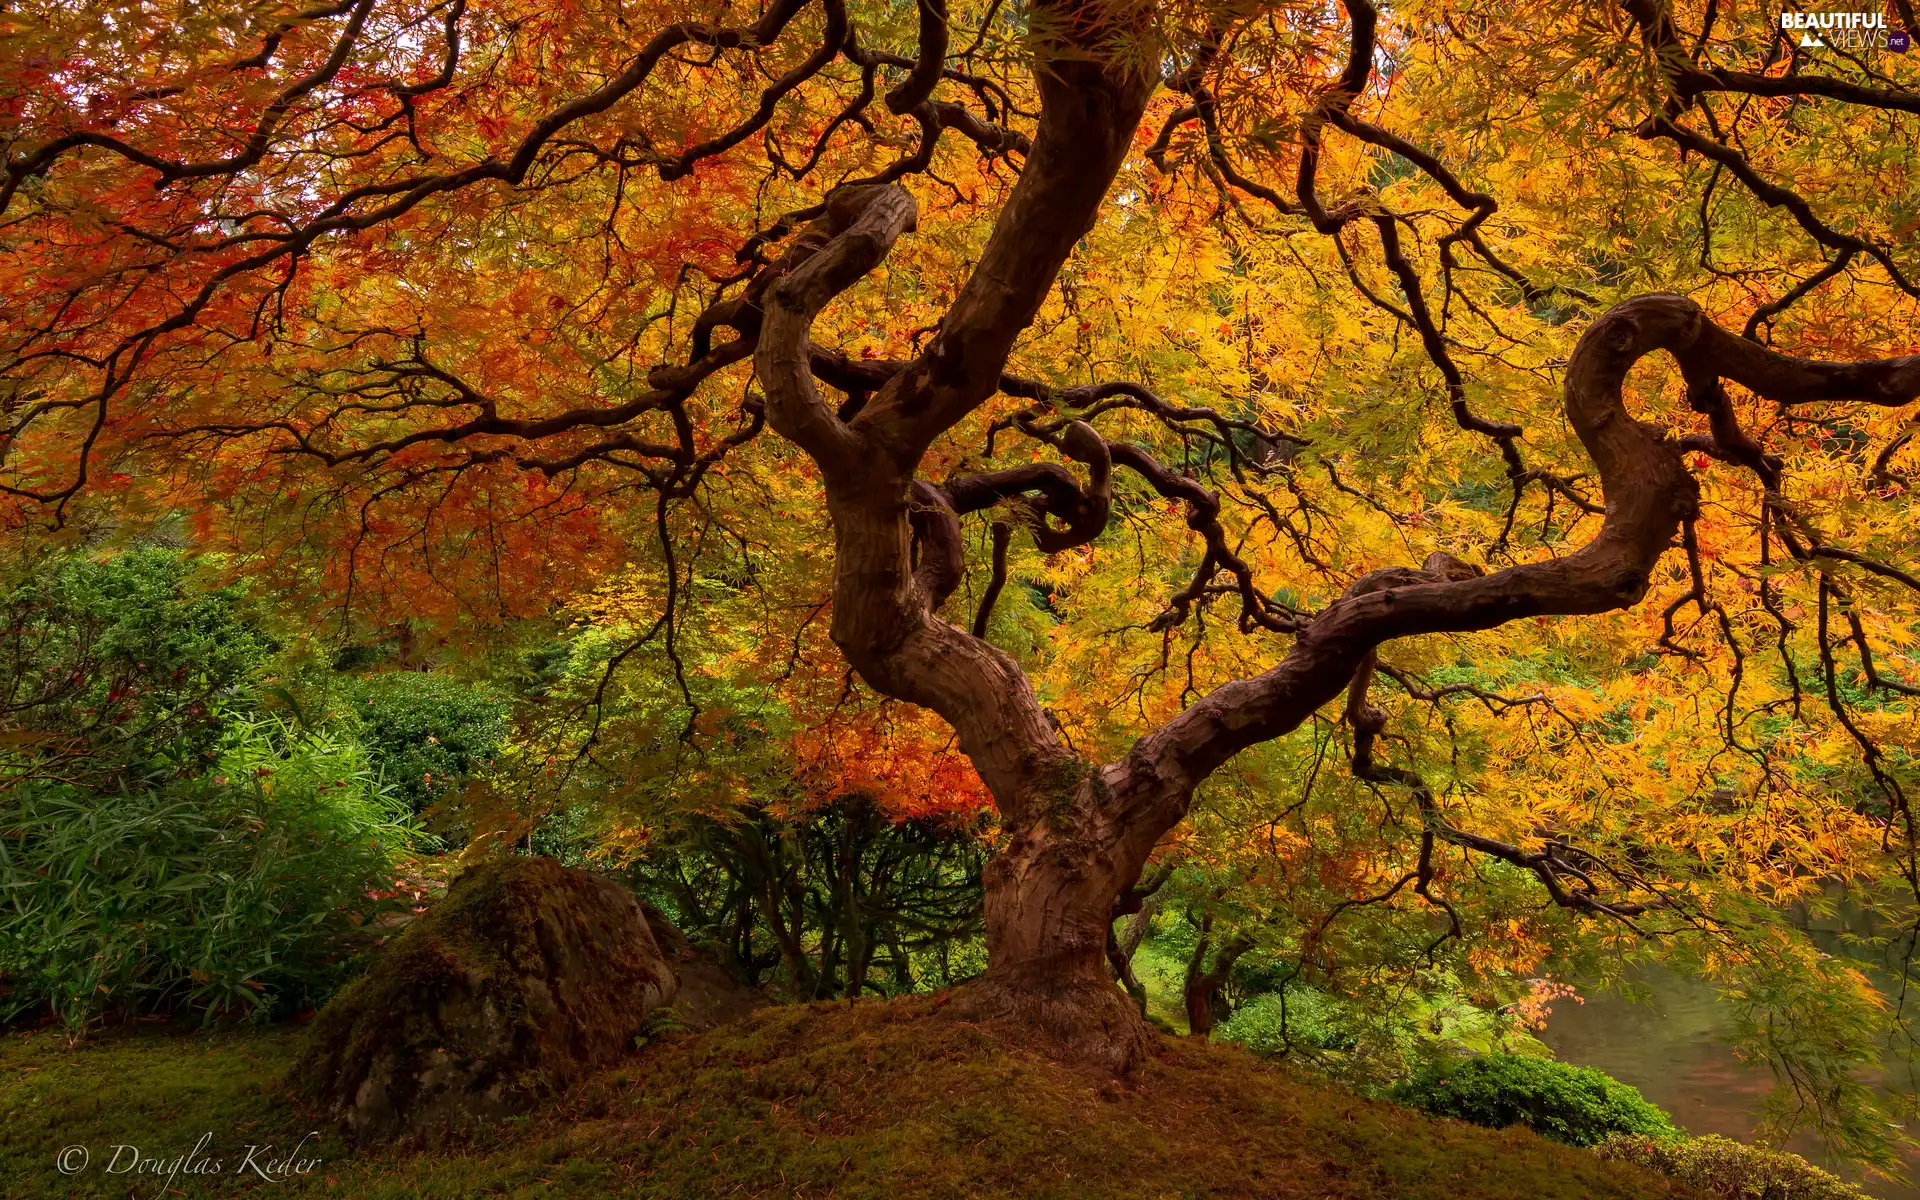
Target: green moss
x,y
150,1090
469,989
869,1100
1162,968
383,1008
1058,785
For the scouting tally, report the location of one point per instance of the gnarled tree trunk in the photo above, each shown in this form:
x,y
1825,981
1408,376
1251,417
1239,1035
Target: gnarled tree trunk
x,y
1050,894
1138,904
1208,970
1050,900
1079,832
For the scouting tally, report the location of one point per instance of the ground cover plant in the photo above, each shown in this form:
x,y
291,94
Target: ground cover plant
x,y
1575,1105
871,1100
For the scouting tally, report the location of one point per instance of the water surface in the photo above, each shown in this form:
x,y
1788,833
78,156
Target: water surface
x,y
1674,1050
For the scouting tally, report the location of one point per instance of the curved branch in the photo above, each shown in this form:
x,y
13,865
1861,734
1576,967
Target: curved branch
x,y
1091,102
918,86
863,223
1649,494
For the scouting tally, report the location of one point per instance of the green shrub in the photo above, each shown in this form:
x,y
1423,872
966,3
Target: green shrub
x,y
1257,974
232,890
118,669
1730,1170
1576,1105
428,732
1281,1021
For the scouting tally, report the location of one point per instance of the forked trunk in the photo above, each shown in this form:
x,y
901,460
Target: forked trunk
x,y
1206,983
1049,900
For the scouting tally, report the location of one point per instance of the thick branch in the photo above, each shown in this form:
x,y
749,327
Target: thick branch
x,y
1649,494
1092,98
865,222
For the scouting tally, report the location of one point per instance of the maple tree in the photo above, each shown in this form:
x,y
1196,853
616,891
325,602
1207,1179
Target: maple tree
x,y
1162,341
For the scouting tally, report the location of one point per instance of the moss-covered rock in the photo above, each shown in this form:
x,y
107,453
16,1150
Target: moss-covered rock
x,y
709,993
526,978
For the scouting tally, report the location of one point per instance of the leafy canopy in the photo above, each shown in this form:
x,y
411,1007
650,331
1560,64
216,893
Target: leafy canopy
x,y
445,312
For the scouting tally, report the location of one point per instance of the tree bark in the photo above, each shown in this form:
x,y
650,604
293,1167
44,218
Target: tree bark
x,y
1206,982
1050,894
1138,904
1050,898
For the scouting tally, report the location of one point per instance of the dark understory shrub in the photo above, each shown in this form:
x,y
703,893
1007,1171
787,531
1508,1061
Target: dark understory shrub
x,y
428,732
1576,1105
118,671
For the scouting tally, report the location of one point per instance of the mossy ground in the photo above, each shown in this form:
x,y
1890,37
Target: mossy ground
x,y
880,1099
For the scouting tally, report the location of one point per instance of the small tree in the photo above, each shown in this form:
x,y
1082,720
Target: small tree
x,y
842,896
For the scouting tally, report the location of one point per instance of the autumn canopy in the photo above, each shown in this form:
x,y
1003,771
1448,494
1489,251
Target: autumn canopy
x,y
1449,463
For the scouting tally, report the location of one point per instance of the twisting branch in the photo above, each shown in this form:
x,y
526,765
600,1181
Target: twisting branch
x,y
262,243
1649,496
1002,538
1334,107
862,224
1055,493
1687,81
918,86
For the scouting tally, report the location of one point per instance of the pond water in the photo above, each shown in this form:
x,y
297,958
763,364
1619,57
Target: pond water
x,y
1673,1050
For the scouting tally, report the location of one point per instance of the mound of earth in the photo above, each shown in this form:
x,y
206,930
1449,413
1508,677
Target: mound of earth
x,y
877,1100
521,982
883,1099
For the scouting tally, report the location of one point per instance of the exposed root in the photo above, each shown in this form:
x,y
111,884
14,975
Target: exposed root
x,y
1089,1024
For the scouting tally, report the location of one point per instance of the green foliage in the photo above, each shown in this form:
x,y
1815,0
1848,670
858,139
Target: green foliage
x,y
230,890
427,732
1257,973
1728,1170
1277,1022
1358,1044
1160,964
1808,1011
662,1022
1576,1105
838,900
118,668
